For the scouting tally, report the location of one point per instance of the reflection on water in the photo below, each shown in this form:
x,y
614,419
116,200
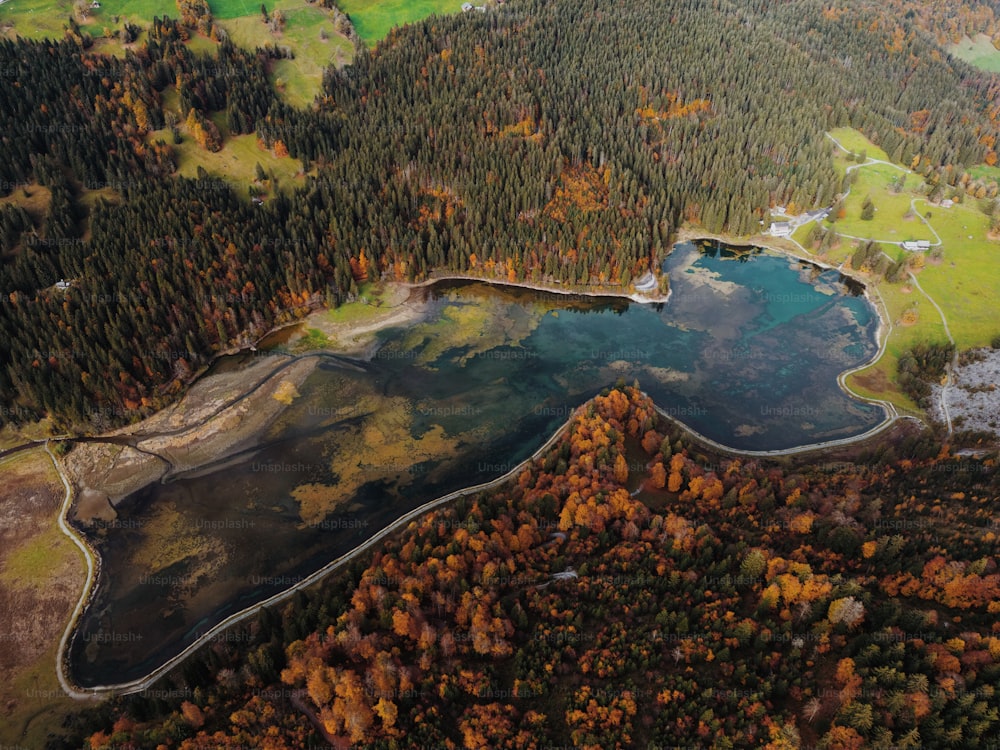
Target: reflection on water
x,y
747,352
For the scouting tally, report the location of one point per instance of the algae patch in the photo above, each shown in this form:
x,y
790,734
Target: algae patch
x,y
472,328
286,392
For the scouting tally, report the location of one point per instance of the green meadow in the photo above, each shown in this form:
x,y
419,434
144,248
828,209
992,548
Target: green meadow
x,y
298,80
979,52
985,172
855,140
966,282
963,279
35,19
893,220
309,29
374,19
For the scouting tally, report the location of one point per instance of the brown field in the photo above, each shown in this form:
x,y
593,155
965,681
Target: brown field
x,y
41,576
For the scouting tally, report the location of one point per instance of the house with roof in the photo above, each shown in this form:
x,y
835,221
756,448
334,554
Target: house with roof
x,y
781,229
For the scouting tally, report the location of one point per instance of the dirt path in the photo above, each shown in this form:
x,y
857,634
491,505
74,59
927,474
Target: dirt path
x,y
949,378
92,567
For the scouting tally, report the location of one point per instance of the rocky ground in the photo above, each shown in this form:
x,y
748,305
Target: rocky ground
x,y
974,398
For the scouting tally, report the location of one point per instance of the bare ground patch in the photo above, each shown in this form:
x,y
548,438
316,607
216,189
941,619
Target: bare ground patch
x,y
211,422
356,335
41,576
974,397
873,381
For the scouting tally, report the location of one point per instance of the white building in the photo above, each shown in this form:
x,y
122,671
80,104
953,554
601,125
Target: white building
x,y
781,229
917,246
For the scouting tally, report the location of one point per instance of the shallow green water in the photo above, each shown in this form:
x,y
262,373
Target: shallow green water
x,y
746,352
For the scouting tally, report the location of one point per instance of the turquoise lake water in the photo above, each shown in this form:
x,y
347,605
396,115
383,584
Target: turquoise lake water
x,y
746,352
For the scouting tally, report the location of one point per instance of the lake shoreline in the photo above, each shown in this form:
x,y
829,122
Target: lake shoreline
x,y
686,234
410,304
141,684
171,427
593,292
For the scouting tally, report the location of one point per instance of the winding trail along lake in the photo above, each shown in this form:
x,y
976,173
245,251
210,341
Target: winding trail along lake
x,y
747,352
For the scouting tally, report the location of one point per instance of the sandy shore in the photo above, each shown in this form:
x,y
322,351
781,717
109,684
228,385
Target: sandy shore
x,y
397,307
214,419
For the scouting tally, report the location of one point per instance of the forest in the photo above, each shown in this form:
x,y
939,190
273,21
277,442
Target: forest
x,y
556,141
629,589
949,22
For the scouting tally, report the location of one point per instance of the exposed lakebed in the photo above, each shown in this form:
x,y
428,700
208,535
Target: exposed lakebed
x,y
747,352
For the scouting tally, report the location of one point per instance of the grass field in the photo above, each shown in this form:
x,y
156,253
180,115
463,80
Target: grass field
x,y
979,52
33,198
889,223
854,140
374,19
224,9
371,298
36,19
964,283
985,172
299,79
235,164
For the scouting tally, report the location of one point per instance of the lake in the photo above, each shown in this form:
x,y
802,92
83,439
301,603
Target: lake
x,y
746,352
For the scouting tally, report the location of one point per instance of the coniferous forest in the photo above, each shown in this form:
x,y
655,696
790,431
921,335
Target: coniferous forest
x,y
542,140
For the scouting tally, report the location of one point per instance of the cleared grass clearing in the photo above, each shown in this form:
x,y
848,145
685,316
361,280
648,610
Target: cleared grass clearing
x,y
300,79
33,198
854,140
966,284
891,209
35,19
985,172
223,9
236,163
33,562
979,52
374,19
371,297
904,303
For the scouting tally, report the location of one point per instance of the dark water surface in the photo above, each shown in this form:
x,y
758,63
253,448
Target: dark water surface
x,y
746,352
